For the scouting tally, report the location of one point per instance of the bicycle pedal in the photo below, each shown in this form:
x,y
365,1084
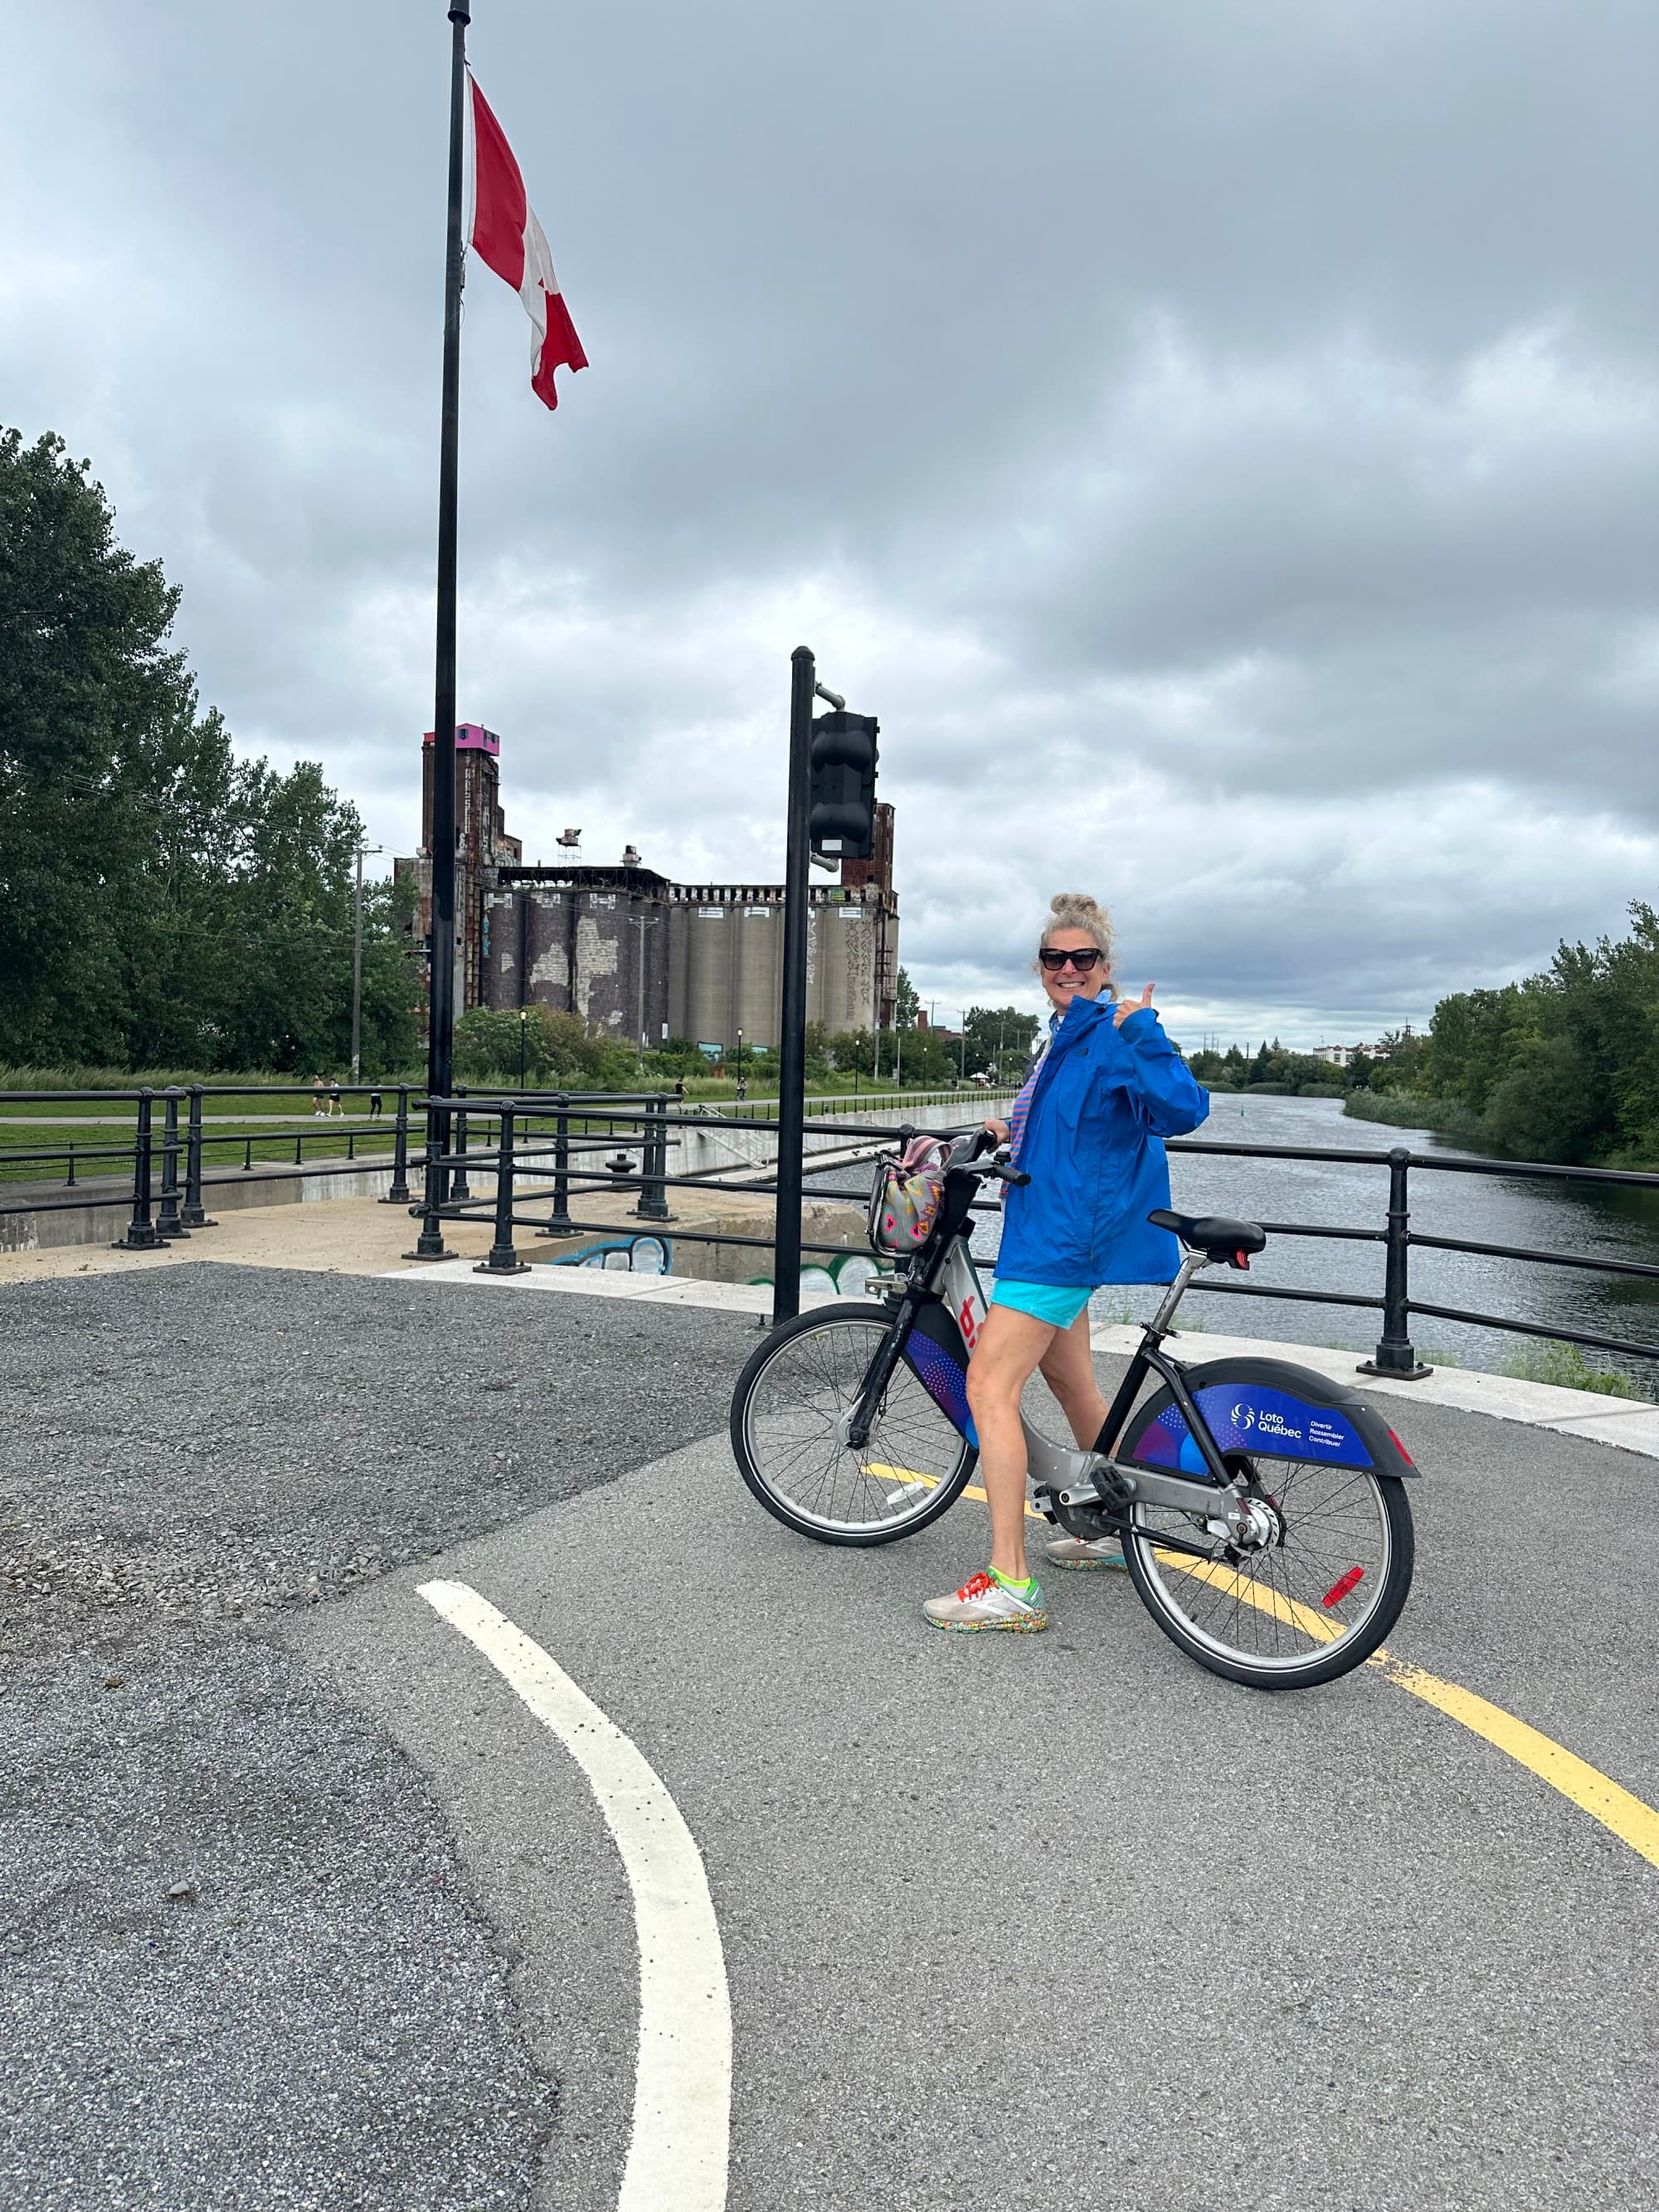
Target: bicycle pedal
x,y
1103,1487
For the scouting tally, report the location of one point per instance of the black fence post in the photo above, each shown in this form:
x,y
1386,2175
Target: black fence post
x,y
69,1184
792,1036
142,1235
168,1223
559,1223
1394,1355
193,1216
653,1201
429,1244
501,1259
459,1187
398,1193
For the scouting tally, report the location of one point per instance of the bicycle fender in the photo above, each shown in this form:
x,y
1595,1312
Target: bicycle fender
x,y
1271,1410
934,1352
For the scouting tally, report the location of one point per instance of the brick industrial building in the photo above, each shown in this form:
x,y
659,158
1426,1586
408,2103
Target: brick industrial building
x,y
639,957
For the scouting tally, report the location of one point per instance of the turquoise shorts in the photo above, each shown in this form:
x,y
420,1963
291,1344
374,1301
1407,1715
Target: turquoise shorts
x,y
1059,1307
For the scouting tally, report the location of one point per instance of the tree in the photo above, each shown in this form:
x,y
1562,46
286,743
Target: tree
x,y
998,1038
91,706
855,1051
906,1004
1542,1109
161,901
559,1051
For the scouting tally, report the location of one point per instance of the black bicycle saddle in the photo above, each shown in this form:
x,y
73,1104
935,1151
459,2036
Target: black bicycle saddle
x,y
1212,1233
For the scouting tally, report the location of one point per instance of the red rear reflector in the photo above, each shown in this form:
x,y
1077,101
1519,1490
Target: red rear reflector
x,y
1241,1260
1339,1590
1403,1453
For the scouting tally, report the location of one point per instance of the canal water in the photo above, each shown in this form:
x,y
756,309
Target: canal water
x,y
1603,1221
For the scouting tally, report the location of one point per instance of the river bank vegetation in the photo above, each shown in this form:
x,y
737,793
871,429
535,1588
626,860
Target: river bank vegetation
x,y
1273,1070
1563,1066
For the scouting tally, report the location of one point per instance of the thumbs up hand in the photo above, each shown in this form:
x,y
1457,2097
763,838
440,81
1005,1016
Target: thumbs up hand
x,y
1125,1007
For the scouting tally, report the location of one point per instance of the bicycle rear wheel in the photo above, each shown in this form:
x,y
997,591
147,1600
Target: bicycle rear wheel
x,y
788,1416
1302,1609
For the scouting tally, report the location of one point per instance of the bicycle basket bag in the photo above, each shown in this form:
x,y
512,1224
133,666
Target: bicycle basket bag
x,y
905,1196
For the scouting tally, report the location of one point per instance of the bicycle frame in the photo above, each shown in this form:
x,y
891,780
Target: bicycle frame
x,y
943,1306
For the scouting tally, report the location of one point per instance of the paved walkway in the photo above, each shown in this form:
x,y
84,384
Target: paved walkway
x,y
1046,1921
1063,1920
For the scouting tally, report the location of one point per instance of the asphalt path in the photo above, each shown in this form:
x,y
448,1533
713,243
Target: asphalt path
x,y
301,1905
1064,1920
243,1963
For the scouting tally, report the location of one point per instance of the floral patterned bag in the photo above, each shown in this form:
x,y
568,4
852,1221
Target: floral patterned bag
x,y
905,1196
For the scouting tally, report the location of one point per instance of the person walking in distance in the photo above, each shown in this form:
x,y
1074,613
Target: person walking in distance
x,y
318,1104
1106,1087
333,1095
376,1108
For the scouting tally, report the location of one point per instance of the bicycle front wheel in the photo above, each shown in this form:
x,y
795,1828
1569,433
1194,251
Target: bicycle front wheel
x,y
788,1416
1310,1605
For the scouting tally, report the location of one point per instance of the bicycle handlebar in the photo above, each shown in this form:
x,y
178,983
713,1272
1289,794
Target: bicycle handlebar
x,y
1001,1169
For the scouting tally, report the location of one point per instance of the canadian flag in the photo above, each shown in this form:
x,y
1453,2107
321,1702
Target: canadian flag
x,y
506,234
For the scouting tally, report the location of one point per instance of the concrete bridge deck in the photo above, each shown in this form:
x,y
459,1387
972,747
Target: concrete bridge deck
x,y
307,1905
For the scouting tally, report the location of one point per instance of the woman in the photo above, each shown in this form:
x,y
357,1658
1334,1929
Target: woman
x,y
1106,1085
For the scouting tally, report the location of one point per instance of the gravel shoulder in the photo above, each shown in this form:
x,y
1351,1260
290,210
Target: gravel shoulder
x,y
244,1962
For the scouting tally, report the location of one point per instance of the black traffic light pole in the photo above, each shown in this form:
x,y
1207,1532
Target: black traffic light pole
x,y
791,1053
832,799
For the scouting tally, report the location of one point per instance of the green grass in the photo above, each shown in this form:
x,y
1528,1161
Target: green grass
x,y
223,1148
1565,1364
1402,1110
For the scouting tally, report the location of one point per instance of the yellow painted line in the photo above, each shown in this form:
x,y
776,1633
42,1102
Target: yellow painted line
x,y
1574,1779
1268,1601
1581,1783
1585,1786
908,1474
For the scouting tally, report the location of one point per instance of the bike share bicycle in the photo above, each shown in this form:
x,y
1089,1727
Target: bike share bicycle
x,y
1261,1508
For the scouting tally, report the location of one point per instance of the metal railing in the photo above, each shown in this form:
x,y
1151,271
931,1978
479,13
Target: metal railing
x,y
550,1138
547,1136
523,1150
1395,1354
160,1174
164,1206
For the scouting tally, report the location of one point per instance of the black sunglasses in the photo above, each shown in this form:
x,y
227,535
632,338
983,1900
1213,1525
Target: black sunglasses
x,y
1053,959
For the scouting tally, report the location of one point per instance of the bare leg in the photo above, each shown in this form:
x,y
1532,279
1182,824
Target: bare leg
x,y
1069,1371
1011,1344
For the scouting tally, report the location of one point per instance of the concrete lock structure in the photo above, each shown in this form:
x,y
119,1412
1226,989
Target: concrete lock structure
x,y
639,957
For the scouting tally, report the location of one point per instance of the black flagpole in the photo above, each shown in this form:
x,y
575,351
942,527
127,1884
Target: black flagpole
x,y
441,1028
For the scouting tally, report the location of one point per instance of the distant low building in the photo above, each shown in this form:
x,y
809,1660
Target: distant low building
x,y
1344,1056
642,959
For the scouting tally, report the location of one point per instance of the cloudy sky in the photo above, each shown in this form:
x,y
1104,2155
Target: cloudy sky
x,y
1220,440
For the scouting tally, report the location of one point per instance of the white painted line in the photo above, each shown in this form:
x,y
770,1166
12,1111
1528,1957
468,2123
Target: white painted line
x,y
677,2154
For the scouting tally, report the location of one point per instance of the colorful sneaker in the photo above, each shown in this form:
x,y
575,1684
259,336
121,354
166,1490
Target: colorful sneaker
x,y
1078,1552
986,1601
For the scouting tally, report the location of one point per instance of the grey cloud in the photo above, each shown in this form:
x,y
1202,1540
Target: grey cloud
x,y
1235,423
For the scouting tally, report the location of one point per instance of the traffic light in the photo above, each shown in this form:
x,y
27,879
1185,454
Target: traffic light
x,y
842,790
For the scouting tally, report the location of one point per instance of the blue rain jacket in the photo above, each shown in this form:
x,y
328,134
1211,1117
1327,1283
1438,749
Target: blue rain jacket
x,y
1104,1097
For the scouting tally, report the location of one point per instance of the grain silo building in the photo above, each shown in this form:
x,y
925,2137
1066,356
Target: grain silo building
x,y
640,957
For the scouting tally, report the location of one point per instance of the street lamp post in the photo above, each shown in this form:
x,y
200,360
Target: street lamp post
x,y
523,1013
357,964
